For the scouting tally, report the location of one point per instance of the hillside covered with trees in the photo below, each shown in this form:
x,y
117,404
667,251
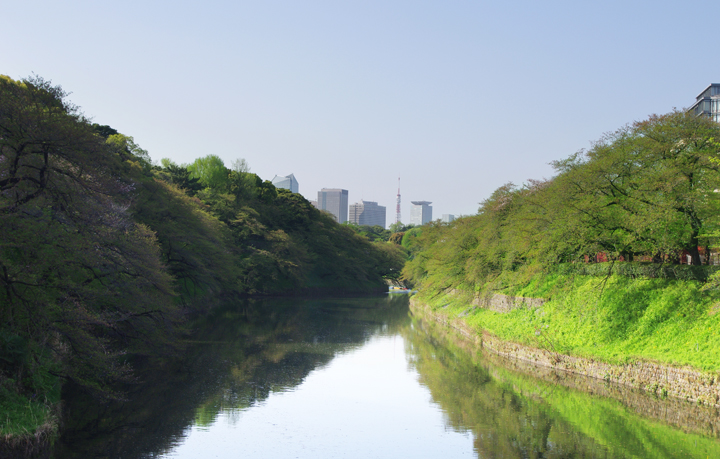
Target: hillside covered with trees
x,y
103,254
601,243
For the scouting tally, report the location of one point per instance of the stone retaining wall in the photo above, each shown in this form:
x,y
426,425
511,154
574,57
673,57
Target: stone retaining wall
x,y
506,303
664,380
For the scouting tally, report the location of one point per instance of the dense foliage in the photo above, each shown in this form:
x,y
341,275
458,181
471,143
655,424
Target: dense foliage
x,y
648,191
265,240
103,253
81,281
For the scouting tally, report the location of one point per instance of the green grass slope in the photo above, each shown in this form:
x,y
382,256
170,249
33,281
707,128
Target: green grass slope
x,y
615,319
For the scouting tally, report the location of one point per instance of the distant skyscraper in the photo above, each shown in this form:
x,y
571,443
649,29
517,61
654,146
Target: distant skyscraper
x,y
288,182
420,212
447,218
367,213
335,201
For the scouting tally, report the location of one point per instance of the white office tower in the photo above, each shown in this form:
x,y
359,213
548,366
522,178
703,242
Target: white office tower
x,y
420,212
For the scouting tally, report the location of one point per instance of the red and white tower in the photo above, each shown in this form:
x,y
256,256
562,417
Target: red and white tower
x,y
397,209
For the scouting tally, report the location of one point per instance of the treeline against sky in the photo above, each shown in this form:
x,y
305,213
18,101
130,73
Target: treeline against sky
x,y
648,191
102,253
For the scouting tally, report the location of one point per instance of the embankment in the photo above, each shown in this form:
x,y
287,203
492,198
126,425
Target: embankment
x,y
611,414
651,334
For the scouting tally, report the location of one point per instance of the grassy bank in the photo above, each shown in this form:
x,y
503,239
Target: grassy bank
x,y
615,319
22,416
27,426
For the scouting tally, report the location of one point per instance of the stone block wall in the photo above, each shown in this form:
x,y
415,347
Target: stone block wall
x,y
506,303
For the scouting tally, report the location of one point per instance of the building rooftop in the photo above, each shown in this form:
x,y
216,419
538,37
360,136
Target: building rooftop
x,y
362,201
702,93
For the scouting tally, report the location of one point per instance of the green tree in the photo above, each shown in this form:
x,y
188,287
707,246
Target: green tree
x,y
126,148
244,185
399,227
396,238
210,170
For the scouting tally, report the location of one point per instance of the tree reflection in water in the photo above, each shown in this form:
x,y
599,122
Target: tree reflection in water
x,y
234,359
243,352
513,415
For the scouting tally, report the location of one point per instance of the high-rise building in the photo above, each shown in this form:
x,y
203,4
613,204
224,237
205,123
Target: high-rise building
x,y
708,103
288,182
335,201
420,212
367,213
447,218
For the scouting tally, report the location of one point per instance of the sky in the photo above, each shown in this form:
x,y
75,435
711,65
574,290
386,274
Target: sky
x,y
454,97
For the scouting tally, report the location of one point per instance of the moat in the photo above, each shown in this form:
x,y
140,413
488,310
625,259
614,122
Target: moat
x,y
362,377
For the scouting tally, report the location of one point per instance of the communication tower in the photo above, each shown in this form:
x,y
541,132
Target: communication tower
x,y
397,209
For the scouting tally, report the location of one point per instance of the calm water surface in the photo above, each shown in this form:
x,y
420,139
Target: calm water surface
x,y
362,378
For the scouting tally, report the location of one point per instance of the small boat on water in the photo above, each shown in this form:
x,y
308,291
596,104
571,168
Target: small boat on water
x,y
396,289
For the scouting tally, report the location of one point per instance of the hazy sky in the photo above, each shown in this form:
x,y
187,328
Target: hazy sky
x,y
455,97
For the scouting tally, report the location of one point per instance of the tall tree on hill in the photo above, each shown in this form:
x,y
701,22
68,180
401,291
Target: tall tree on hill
x,y
210,170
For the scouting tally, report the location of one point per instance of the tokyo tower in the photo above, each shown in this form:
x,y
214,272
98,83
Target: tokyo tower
x,y
397,209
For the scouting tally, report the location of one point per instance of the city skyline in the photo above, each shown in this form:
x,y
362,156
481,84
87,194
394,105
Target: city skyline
x,y
406,219
317,203
458,99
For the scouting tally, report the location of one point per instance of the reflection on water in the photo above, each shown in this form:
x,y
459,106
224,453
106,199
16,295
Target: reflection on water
x,y
238,355
361,378
514,415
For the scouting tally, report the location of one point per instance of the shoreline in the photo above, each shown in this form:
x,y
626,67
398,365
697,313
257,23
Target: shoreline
x,y
36,445
681,383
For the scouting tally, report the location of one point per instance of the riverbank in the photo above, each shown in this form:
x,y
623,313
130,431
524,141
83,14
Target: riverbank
x,y
652,334
33,446
624,422
30,426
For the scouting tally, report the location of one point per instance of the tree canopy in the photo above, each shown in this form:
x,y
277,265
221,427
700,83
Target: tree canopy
x,y
81,282
210,170
648,190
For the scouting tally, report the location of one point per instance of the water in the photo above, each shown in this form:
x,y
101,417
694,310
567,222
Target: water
x,y
363,378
